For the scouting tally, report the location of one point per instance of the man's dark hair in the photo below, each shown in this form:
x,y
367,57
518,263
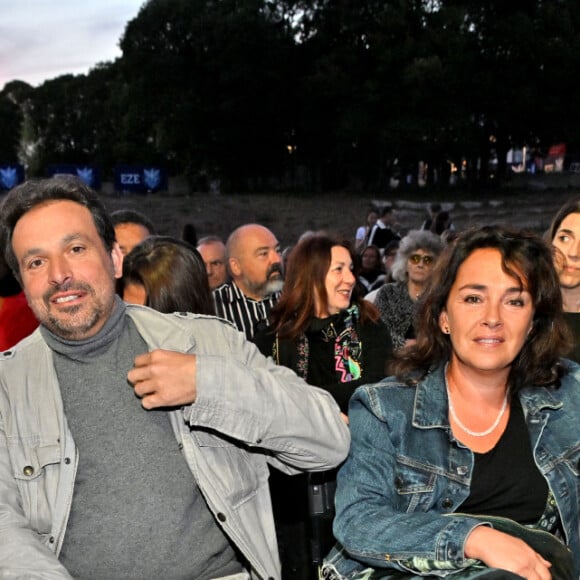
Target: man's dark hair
x,y
387,209
131,216
33,193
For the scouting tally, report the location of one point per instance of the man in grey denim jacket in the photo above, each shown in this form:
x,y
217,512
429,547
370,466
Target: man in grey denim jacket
x,y
201,396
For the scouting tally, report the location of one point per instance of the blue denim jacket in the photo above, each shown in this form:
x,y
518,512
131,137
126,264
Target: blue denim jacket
x,y
400,491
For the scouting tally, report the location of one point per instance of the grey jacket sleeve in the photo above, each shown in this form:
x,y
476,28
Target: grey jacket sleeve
x,y
23,554
246,396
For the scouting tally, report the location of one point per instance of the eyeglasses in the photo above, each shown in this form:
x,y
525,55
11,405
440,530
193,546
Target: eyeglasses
x,y
416,259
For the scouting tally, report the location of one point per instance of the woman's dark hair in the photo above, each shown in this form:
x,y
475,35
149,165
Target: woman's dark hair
x,y
172,273
528,259
305,278
30,194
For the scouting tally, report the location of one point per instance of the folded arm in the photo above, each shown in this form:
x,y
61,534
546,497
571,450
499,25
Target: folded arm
x,y
269,406
241,394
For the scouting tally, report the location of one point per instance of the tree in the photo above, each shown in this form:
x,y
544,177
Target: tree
x,y
207,80
12,99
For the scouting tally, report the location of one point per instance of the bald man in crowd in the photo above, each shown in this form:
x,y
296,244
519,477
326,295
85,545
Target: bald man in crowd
x,y
255,266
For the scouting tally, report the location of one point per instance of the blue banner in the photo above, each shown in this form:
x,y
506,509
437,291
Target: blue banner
x,y
11,174
88,173
140,179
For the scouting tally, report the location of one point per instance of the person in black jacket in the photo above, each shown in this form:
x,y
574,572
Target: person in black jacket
x,y
323,330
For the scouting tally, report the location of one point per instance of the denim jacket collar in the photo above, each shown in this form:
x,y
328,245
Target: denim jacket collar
x,y
431,406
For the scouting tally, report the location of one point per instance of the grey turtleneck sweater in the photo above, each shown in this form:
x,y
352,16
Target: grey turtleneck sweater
x,y
137,511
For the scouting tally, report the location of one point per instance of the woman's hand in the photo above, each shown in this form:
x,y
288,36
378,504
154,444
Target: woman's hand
x,y
499,550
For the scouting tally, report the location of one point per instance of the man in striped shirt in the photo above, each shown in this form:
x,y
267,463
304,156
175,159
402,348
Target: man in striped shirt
x,y
255,265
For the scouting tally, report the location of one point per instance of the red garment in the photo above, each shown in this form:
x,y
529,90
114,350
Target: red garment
x,y
16,320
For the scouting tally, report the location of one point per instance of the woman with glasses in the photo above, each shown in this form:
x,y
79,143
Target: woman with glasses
x,y
412,268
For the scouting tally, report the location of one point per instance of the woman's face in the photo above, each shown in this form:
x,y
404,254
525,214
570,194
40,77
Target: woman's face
x,y
339,283
567,243
134,293
372,218
487,316
370,259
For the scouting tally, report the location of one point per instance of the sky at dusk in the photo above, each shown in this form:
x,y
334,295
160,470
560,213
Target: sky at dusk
x,y
43,39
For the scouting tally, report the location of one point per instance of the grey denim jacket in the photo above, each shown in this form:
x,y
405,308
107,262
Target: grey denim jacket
x,y
248,413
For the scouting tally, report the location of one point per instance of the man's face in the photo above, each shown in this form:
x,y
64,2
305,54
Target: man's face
x,y
214,258
257,263
67,274
129,235
389,218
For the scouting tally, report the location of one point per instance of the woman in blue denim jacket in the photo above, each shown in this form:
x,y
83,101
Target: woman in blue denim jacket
x,y
466,462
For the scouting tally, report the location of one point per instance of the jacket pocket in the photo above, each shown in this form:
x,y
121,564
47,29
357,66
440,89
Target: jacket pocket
x,y
36,471
414,484
238,472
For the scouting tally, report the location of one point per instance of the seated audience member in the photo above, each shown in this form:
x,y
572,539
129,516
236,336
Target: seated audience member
x,y
213,252
361,238
167,275
412,268
255,266
17,321
442,223
131,227
464,464
325,332
439,221
371,274
384,231
434,209
564,235
136,444
387,260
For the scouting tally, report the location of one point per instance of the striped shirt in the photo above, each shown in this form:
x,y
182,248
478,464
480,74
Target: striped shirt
x,y
244,312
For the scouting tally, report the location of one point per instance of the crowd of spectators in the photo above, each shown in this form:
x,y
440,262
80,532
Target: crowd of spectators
x,y
442,350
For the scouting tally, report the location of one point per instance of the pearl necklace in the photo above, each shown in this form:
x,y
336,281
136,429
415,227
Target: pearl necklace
x,y
469,431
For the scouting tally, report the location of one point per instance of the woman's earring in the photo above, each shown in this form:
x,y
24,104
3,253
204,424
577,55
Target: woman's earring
x,y
446,330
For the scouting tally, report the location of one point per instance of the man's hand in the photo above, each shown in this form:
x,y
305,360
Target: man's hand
x,y
163,378
499,550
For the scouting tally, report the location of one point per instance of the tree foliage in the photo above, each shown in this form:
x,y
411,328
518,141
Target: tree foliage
x,y
314,94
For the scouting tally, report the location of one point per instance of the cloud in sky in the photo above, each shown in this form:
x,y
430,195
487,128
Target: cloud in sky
x,y
43,39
